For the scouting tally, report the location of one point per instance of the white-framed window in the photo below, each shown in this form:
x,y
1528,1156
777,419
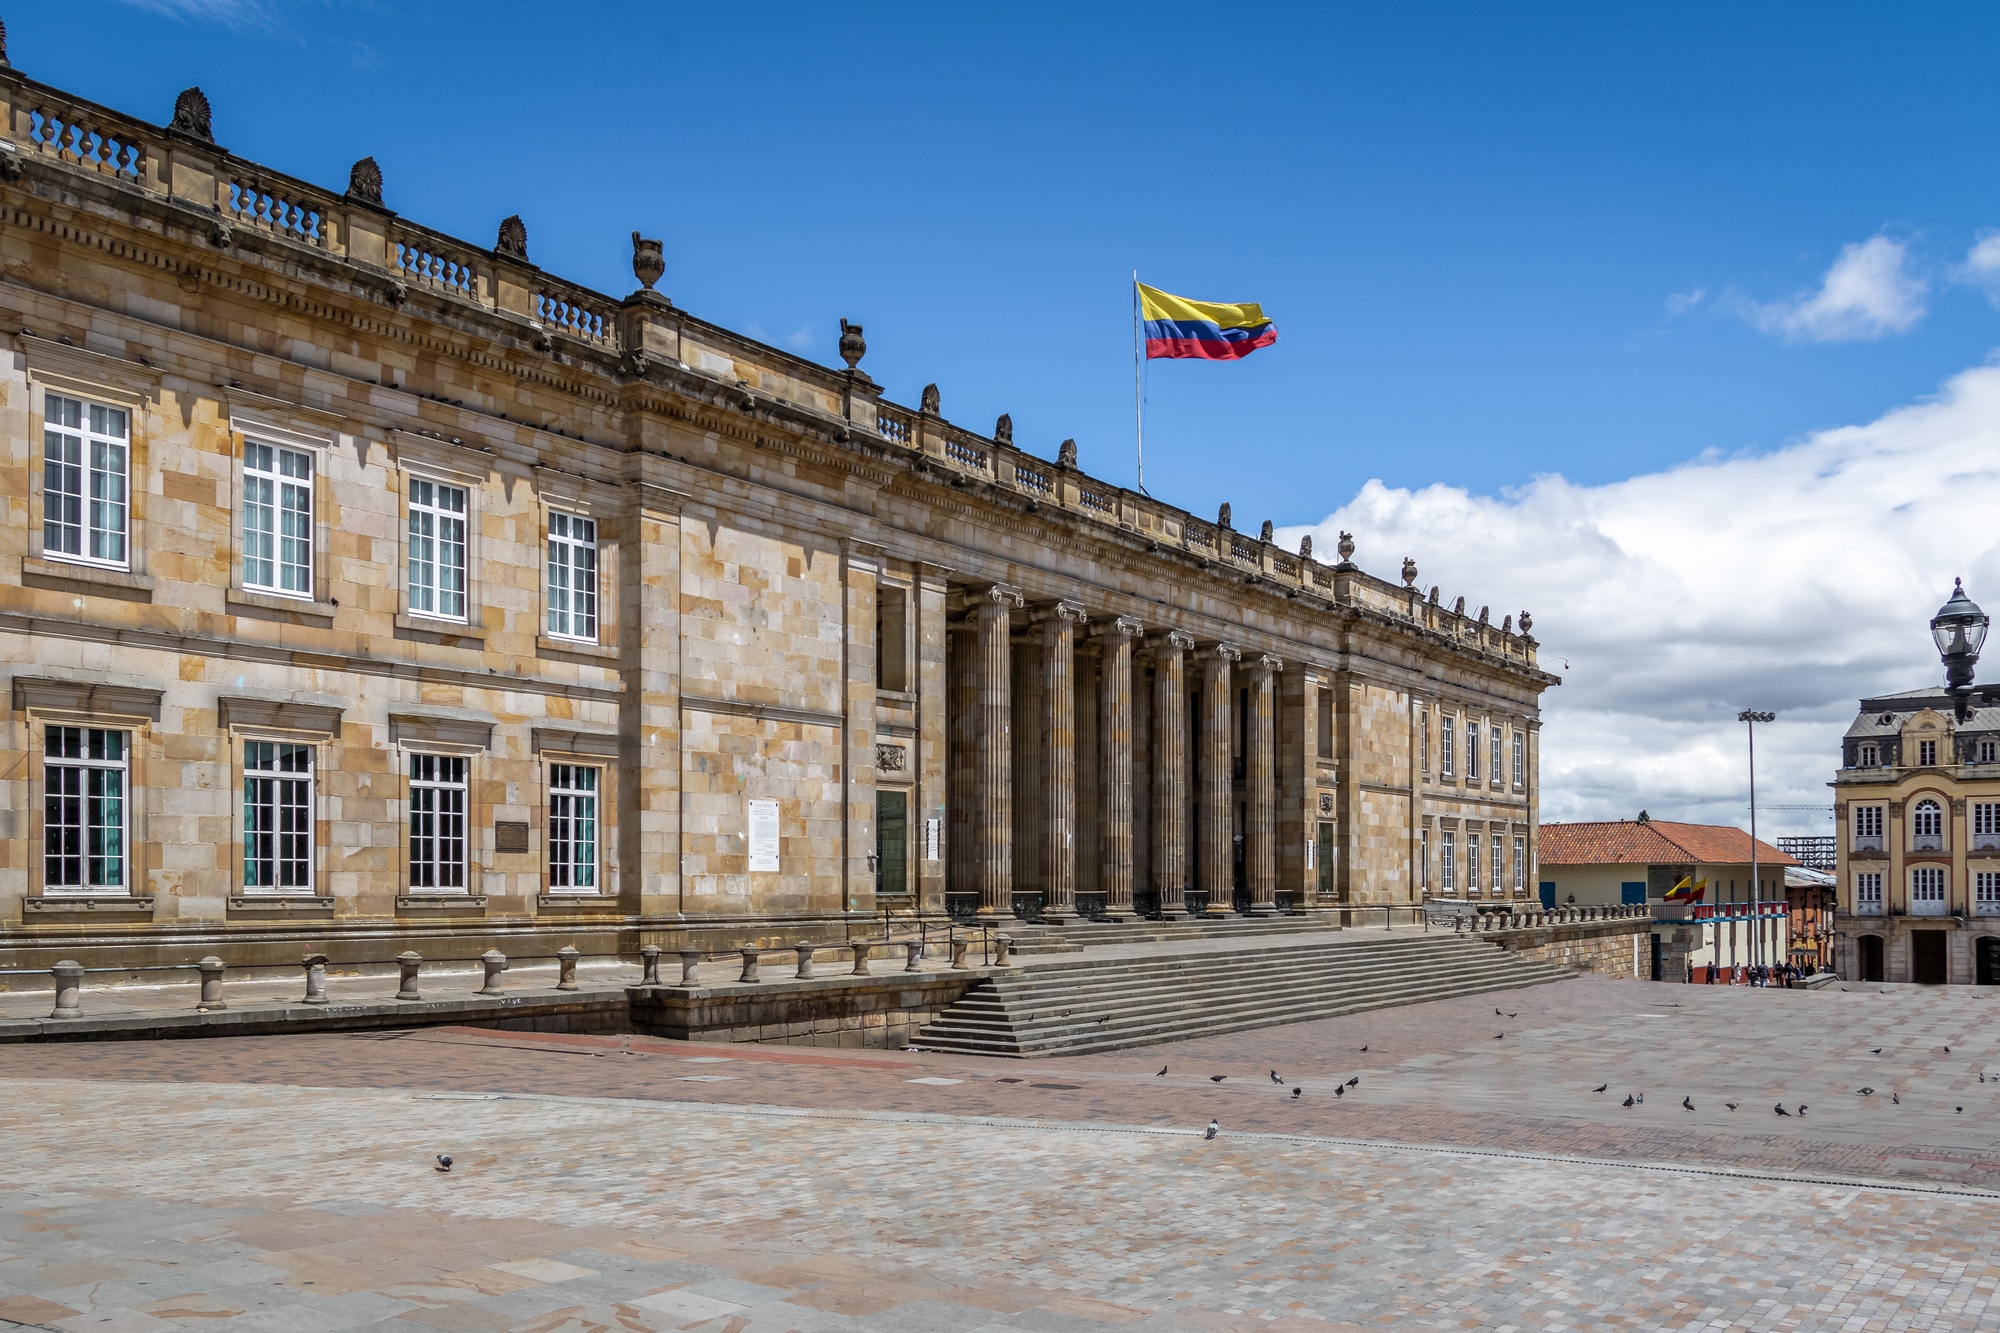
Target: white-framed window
x,y
84,810
1927,891
572,581
1499,867
572,828
1520,863
1867,755
277,817
1472,752
1986,893
1424,857
437,823
1448,863
1927,827
1985,823
1472,864
1868,893
1989,751
1493,769
277,519
1926,753
437,549
86,455
1868,823
1446,726
1520,760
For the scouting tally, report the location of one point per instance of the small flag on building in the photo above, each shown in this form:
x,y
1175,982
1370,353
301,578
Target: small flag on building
x,y
1202,330
1689,890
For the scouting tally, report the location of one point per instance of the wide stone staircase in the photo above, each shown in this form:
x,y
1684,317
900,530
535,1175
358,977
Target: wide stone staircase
x,y
1034,939
1077,1006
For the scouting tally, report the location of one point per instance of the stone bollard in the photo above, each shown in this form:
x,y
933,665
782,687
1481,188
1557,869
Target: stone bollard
x,y
315,966
861,950
649,962
1001,945
495,963
805,953
690,966
1458,925
958,949
211,969
749,965
915,949
409,961
566,966
69,989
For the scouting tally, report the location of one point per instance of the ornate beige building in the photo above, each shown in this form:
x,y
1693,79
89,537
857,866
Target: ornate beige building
x,y
362,588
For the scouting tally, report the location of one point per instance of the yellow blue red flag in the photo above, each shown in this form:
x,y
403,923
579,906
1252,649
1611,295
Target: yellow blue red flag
x,y
1203,330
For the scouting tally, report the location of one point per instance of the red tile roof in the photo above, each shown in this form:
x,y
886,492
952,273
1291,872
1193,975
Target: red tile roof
x,y
1654,842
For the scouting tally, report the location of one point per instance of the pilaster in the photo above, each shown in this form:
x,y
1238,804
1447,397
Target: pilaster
x,y
932,747
649,730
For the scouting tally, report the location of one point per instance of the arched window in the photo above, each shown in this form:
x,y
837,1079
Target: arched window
x,y
1927,820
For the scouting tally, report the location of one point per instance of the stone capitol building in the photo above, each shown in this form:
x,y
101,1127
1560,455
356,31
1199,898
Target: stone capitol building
x,y
364,589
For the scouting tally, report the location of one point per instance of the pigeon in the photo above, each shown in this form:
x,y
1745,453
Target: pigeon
x,y
1296,1092
1843,988
1214,1128
1353,1081
1730,1105
444,1161
1896,1099
1498,1035
1802,1108
1513,1015
1864,1092
1364,1050
1340,1089
1642,1099
1877,1050
1213,1078
1947,1051
1780,1109
1628,1099
1687,1104
1275,1078
1982,1078
1961,1110
1600,1087
1496,1013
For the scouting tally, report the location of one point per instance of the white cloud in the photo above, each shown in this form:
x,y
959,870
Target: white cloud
x,y
1982,266
1679,303
243,15
1798,580
1869,293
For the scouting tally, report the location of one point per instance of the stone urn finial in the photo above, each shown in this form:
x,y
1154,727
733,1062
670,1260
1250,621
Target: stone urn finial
x,y
1222,515
1346,547
1433,598
1306,547
1482,615
1409,572
1066,454
1527,622
929,402
191,115
852,345
1264,533
1003,429
364,182
649,260
1458,607
513,238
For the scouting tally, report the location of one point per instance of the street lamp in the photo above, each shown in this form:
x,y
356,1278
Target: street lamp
x,y
1959,630
1752,717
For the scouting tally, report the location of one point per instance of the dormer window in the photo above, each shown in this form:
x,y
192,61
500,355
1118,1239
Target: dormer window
x,y
1926,754
1989,752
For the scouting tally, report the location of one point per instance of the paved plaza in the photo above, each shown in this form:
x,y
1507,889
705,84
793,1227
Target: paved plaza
x,y
1470,1179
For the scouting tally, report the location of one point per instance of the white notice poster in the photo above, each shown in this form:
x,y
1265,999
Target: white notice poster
x,y
933,831
763,836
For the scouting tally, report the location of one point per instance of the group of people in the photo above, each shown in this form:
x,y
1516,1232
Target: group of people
x,y
1759,974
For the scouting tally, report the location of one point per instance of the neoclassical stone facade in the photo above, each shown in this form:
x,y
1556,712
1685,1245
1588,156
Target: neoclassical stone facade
x,y
363,587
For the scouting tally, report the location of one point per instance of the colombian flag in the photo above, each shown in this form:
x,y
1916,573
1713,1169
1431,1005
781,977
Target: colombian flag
x,y
1689,890
1204,330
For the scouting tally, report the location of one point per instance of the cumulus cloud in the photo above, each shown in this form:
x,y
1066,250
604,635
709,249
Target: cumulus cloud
x,y
1679,303
1869,293
1797,580
1982,266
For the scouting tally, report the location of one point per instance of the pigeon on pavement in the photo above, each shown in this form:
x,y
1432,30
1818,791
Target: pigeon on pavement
x,y
1162,1073
1353,1081
1876,1050
1628,1099
1214,1128
1600,1087
1802,1108
1340,1089
1296,1092
1730,1105
1864,1092
1275,1078
444,1161
1687,1104
1217,1078
1780,1109
1896,1098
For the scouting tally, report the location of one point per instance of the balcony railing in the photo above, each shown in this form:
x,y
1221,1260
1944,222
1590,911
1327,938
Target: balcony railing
x,y
1926,842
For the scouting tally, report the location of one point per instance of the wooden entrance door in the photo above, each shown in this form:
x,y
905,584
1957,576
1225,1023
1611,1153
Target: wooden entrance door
x,y
1871,958
1989,961
1927,966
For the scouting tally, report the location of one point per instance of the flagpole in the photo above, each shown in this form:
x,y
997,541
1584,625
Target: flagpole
x,y
1138,391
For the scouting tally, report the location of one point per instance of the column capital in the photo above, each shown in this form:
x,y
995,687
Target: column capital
x,y
1121,626
1002,594
1223,651
1266,664
1173,643
1058,611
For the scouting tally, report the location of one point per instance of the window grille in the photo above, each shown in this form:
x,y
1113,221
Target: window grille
x,y
85,453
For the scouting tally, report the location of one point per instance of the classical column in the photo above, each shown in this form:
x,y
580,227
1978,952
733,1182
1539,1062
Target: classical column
x,y
1059,624
993,762
1169,774
1114,701
1218,823
1260,833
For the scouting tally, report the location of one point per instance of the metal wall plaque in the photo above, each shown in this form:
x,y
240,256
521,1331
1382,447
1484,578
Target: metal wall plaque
x,y
510,836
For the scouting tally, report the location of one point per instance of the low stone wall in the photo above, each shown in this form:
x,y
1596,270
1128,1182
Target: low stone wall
x,y
879,1012
1606,948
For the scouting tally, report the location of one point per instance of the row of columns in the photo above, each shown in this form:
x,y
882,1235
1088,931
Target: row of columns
x,y
993,777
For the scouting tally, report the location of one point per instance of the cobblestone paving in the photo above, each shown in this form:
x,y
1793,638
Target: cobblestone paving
x,y
286,1183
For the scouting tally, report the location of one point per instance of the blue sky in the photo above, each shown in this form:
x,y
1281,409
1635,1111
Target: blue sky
x,y
1500,242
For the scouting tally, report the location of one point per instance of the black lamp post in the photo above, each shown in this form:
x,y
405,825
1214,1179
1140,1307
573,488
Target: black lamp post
x,y
1959,630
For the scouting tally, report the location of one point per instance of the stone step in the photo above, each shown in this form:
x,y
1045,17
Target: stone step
x,y
1031,939
1084,1005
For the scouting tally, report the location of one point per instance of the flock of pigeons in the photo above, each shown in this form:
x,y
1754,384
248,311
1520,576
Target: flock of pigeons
x,y
1687,1103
